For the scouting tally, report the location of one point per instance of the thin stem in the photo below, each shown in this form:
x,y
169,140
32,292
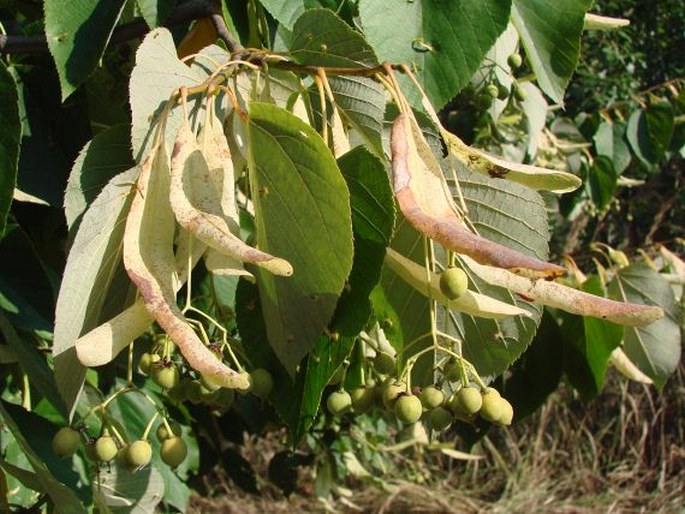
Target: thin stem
x,y
322,104
129,368
148,427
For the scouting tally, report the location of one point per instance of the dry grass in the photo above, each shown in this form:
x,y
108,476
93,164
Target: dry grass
x,y
623,453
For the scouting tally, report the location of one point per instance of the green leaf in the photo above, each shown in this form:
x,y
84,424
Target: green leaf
x,y
10,139
78,32
321,38
106,155
373,217
610,141
602,181
550,33
302,215
120,491
537,373
655,349
649,132
157,74
588,345
92,264
34,434
32,363
361,102
444,42
286,12
154,12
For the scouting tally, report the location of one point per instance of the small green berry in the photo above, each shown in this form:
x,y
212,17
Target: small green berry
x,y
491,410
492,90
174,451
439,419
483,101
432,397
384,363
502,92
453,283
390,392
408,409
166,377
146,362
339,402
105,448
261,382
139,453
363,399
467,401
65,442
515,61
163,433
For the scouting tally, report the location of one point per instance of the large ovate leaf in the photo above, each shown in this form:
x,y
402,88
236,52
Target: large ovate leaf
x,y
321,38
302,208
443,42
92,262
78,32
361,102
33,434
10,139
550,33
610,141
655,349
106,155
157,74
650,130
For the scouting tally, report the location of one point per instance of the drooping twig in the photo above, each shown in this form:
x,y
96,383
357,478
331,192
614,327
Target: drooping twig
x,y
188,11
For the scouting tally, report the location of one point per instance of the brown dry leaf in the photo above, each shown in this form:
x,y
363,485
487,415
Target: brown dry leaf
x,y
425,200
566,298
150,263
197,207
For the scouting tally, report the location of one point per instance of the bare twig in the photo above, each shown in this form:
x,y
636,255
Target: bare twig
x,y
188,11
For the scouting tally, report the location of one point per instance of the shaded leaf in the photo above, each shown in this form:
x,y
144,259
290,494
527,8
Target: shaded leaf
x,y
119,490
610,141
321,38
10,138
650,130
551,40
602,181
444,42
655,349
154,12
106,155
33,434
288,160
77,34
286,12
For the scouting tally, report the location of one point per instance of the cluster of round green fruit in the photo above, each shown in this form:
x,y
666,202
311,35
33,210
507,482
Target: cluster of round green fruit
x,y
495,90
166,374
133,456
432,404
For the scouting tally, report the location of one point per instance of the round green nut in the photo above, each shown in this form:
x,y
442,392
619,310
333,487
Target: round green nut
x,y
492,90
432,397
453,282
483,101
384,363
363,399
163,433
65,442
339,402
173,452
261,383
495,408
139,453
439,419
408,409
146,361
390,393
502,92
467,401
105,448
515,61
166,377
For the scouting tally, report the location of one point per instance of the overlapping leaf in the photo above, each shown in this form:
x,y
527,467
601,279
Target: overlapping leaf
x,y
10,139
303,215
